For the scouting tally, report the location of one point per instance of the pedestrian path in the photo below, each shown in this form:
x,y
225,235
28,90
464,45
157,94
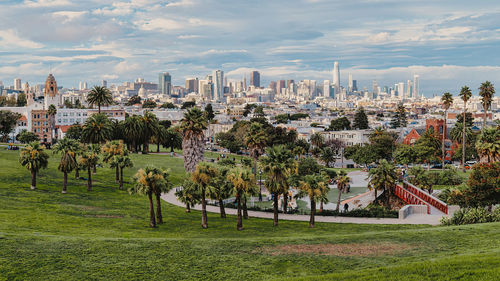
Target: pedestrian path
x,y
412,219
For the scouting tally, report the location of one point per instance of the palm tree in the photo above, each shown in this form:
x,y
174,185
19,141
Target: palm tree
x,y
132,129
88,159
158,190
192,126
203,176
100,96
109,151
488,144
256,141
243,182
52,111
188,194
68,149
121,162
147,181
96,149
279,165
327,155
342,182
486,91
465,95
383,177
315,187
317,139
150,127
447,101
221,189
97,129
34,158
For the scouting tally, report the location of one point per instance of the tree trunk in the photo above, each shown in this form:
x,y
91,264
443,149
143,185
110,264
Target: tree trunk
x,y
463,141
158,147
338,199
204,223
376,197
444,138
99,108
255,167
188,208
33,180
285,202
145,147
484,117
89,180
245,209
239,220
65,182
152,221
159,217
121,178
275,208
77,173
94,169
117,174
313,213
222,210
321,206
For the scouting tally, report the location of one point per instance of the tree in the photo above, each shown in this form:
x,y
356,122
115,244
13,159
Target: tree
x,y
360,119
52,111
220,189
189,194
315,186
188,104
307,166
150,127
149,104
281,118
74,132
122,161
68,149
340,124
488,144
256,141
21,100
342,182
383,144
248,108
163,187
405,155
278,164
111,149
301,147
168,105
132,130
447,101
483,184
383,177
26,137
327,156
192,126
258,112
465,95
97,129
147,182
428,147
99,96
173,139
34,158
243,182
88,160
420,178
8,121
399,119
133,100
486,91
228,140
203,177
363,154
317,139
209,112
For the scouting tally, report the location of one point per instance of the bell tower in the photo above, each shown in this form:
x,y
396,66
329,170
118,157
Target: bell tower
x,y
50,92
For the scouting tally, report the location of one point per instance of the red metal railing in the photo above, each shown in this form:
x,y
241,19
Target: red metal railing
x,y
409,197
429,199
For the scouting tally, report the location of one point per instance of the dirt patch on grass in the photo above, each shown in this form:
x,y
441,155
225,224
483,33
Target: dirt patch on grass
x,y
344,250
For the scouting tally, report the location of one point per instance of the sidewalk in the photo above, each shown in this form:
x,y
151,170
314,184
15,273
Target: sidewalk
x,y
412,219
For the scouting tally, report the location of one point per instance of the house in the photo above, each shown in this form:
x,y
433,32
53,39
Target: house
x,y
437,125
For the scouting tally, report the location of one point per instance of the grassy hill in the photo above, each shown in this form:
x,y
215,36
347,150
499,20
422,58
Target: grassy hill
x,y
104,235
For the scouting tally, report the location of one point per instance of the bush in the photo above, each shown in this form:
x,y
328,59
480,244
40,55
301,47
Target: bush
x,y
370,212
470,216
226,162
449,176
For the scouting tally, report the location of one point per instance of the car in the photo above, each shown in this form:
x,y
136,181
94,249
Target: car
x,y
471,162
447,162
437,166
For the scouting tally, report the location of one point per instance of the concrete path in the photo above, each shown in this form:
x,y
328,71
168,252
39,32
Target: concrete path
x,y
412,219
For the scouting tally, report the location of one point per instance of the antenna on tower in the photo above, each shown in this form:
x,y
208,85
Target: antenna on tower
x,y
50,68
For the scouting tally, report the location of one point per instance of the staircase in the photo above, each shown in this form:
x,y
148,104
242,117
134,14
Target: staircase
x,y
416,196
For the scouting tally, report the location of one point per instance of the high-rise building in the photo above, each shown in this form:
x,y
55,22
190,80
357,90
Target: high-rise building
x,y
350,83
165,83
354,85
327,89
17,84
85,87
401,90
272,86
104,83
192,85
375,87
415,86
336,77
218,80
409,88
255,79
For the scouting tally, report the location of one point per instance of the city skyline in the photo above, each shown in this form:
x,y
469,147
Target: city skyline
x,y
452,44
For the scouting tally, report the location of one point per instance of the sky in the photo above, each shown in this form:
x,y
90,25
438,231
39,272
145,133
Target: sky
x,y
448,43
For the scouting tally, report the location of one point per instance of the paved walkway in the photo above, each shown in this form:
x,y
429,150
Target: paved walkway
x,y
412,219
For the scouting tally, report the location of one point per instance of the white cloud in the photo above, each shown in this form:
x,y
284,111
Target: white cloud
x,y
159,24
189,36
379,37
46,3
10,38
69,16
182,3
125,67
214,51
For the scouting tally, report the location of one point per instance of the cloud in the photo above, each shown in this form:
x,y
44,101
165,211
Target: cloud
x,y
69,16
46,3
9,38
380,37
159,24
182,3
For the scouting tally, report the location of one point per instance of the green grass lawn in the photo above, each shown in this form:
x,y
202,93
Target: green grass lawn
x,y
104,235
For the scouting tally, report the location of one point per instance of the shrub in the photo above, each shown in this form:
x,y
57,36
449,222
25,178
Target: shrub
x,y
226,162
470,216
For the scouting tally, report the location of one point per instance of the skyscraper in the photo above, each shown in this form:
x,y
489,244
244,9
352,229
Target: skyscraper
x,y
350,83
17,84
192,85
165,83
85,87
409,88
255,79
401,90
375,87
354,85
415,86
218,80
336,77
281,85
104,83
327,89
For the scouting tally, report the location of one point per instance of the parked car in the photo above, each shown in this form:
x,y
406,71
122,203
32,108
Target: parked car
x,y
437,166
